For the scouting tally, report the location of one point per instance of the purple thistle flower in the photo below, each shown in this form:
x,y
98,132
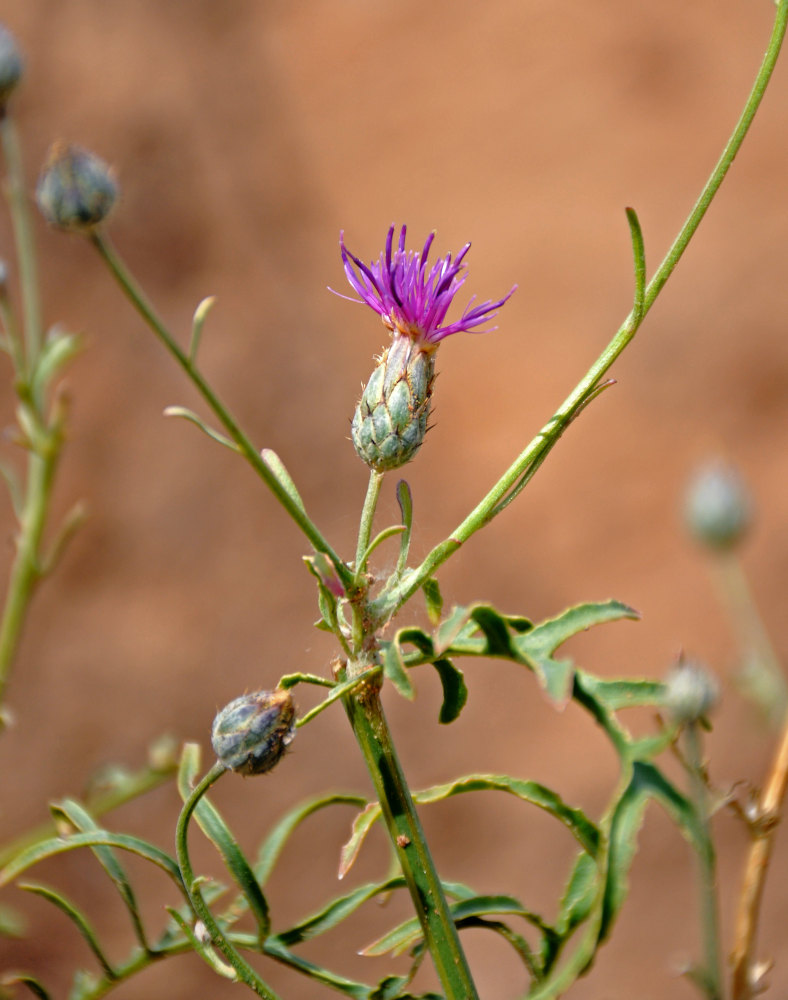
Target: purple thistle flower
x,y
412,300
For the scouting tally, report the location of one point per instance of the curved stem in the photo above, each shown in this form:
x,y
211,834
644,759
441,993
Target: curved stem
x,y
140,302
432,909
244,971
534,453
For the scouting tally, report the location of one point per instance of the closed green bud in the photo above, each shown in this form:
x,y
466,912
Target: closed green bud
x,y
76,190
11,66
691,692
391,417
718,508
251,734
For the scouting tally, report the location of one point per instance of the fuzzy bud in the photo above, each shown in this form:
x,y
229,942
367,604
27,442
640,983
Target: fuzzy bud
x,y
391,417
11,66
76,189
251,734
691,692
718,508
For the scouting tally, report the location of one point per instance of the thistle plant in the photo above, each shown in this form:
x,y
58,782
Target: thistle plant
x,y
365,605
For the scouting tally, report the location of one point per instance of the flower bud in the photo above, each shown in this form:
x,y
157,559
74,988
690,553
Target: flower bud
x,y
391,417
718,508
251,734
691,692
11,66
76,189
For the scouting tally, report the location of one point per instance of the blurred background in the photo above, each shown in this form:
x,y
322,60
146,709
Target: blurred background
x,y
245,136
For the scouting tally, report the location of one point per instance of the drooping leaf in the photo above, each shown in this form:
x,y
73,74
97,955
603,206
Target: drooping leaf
x,y
81,820
23,979
80,921
210,821
356,991
186,414
362,824
433,598
455,690
394,670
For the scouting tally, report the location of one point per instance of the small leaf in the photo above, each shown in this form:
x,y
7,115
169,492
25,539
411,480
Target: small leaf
x,y
79,919
579,895
394,670
35,987
192,417
434,599
81,820
638,252
276,467
356,991
11,478
210,821
362,824
198,322
455,691
57,350
405,501
12,923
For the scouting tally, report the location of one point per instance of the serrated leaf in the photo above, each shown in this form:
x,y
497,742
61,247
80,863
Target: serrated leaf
x,y
455,690
274,843
82,821
394,670
210,821
80,921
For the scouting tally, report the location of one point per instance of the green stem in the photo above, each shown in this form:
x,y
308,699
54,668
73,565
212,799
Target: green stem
x,y
244,971
367,517
26,571
535,452
707,886
23,234
440,933
140,302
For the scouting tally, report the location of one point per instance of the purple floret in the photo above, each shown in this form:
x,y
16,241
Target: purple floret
x,y
412,300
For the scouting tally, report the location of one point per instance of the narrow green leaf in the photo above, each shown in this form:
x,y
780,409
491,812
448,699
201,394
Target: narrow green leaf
x,y
450,629
193,418
455,691
575,820
639,254
198,322
357,991
405,501
517,941
210,821
362,824
579,895
11,478
625,693
274,843
413,636
496,631
203,947
23,979
80,921
12,923
276,467
81,820
57,350
394,670
58,845
434,599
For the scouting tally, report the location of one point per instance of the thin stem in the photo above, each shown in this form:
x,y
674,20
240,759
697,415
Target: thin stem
x,y
367,517
432,909
145,309
244,971
26,571
744,978
707,887
493,502
23,235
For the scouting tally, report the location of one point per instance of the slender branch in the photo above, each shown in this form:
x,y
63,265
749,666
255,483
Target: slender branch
x,y
140,302
390,601
367,517
744,977
244,971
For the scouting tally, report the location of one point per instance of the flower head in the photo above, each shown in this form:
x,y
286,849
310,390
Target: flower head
x,y
412,299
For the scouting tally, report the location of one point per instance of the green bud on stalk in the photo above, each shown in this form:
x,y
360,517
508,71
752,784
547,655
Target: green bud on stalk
x,y
251,734
76,190
691,692
718,507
